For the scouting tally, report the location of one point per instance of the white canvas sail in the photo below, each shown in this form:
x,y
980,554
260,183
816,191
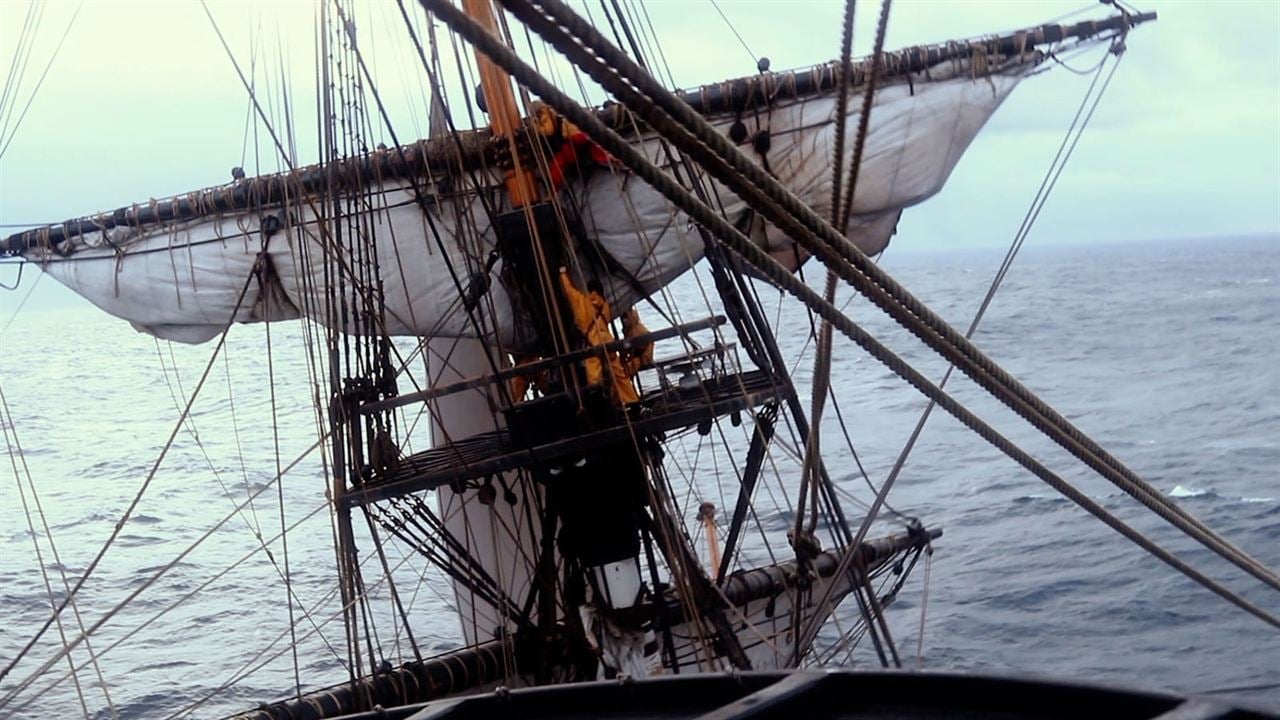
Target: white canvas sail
x,y
182,281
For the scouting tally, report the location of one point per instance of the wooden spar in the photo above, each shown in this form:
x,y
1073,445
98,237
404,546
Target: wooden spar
x,y
474,667
471,147
707,514
760,437
413,682
768,88
504,116
746,585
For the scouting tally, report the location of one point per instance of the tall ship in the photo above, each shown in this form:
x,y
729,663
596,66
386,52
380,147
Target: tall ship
x,y
622,491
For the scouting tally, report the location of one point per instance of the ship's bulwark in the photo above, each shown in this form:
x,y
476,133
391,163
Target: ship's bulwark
x,y
761,599
183,281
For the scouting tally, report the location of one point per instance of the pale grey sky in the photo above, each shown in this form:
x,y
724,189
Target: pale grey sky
x,y
143,102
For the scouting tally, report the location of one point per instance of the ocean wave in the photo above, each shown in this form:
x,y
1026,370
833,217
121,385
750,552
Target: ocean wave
x,y
1182,493
1041,498
1022,579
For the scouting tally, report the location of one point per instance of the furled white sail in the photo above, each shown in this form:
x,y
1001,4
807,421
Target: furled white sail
x,y
184,281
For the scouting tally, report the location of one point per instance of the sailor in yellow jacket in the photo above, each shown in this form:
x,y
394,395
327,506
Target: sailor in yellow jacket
x,y
639,356
520,384
591,315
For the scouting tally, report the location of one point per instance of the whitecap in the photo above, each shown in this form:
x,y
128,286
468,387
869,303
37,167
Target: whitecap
x,y
1180,492
1257,499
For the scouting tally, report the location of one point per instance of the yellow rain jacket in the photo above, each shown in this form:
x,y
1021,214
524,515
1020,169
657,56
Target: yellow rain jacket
x,y
591,315
520,383
639,357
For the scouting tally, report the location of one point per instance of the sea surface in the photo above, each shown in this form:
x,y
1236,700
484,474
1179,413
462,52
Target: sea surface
x,y
1168,353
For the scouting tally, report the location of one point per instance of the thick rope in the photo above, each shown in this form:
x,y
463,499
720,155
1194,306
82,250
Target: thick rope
x,y
864,118
741,246
840,213
822,357
690,131
822,354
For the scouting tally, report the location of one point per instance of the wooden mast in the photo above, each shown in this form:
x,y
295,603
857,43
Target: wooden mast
x,y
504,115
493,533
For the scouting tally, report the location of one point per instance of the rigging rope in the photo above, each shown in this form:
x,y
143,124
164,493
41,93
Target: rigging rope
x,y
840,216
22,303
238,509
715,152
153,578
372,312
1042,195
822,355
137,498
284,538
246,669
1054,171
734,30
262,546
183,599
745,249
13,131
924,606
8,427
18,63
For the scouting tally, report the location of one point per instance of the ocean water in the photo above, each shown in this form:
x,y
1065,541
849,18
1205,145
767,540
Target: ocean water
x,y
1168,353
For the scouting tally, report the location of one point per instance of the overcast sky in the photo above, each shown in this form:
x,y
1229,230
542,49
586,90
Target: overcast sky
x,y
143,102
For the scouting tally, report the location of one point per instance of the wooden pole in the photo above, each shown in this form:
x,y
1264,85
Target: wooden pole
x,y
504,115
707,514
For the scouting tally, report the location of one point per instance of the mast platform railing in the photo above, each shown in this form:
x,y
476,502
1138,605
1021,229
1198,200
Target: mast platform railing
x,y
532,369
487,454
